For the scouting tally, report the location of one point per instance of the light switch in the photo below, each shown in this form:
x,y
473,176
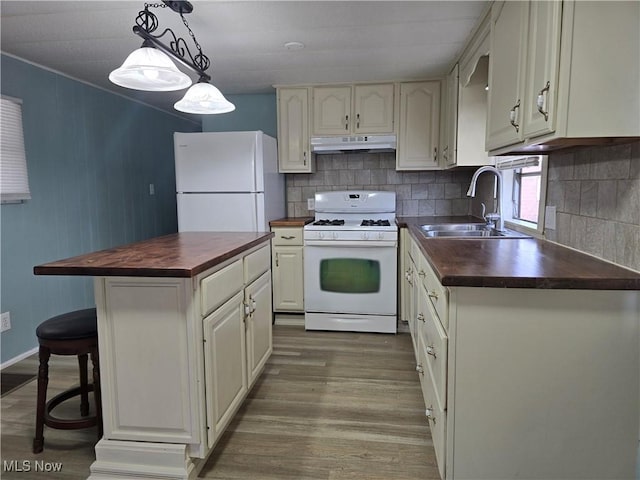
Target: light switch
x,y
152,189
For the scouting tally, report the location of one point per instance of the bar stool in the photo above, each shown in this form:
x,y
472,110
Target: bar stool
x,y
72,333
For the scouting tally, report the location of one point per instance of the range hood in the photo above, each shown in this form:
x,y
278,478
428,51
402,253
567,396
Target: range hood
x,y
355,143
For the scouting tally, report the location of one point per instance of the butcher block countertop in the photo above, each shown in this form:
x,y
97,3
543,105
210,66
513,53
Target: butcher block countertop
x,y
177,255
515,263
291,222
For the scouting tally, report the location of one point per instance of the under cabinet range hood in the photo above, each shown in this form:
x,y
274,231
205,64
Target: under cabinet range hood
x,y
355,143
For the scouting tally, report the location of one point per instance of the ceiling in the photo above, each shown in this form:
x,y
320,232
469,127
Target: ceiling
x,y
345,41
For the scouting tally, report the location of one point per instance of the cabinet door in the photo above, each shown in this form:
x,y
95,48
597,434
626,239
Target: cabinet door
x,y
419,126
331,110
288,290
508,34
259,321
225,363
373,109
542,64
293,131
450,133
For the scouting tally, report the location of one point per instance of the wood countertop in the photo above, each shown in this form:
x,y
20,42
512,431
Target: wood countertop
x,y
291,222
177,255
519,263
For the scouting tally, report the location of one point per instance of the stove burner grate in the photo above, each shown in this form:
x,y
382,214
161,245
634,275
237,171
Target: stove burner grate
x,y
375,223
329,222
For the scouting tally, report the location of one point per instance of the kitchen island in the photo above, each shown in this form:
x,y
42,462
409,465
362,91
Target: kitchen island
x,y
184,327
528,354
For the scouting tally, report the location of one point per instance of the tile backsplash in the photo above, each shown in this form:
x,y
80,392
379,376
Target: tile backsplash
x,y
417,193
596,191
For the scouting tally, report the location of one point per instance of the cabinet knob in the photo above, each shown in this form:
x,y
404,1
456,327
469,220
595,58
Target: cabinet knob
x,y
421,273
420,317
540,101
419,369
346,122
287,237
431,351
433,294
277,263
358,120
304,158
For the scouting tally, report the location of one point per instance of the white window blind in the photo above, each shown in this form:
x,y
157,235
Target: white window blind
x,y
517,162
14,182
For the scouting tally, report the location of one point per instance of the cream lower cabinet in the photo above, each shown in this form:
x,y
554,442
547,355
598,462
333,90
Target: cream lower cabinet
x,y
177,358
528,383
288,269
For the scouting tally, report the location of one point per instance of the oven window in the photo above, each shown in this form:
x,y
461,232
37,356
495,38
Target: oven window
x,y
350,275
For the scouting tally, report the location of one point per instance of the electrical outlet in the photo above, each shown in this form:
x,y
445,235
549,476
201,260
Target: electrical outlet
x,y
311,203
152,189
5,321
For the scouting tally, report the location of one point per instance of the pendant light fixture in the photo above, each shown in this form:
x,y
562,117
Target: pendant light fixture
x,y
151,67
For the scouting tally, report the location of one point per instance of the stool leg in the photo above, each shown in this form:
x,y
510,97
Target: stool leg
x,y
84,386
97,394
43,381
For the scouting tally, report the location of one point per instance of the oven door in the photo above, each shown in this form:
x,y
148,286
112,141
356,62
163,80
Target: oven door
x,y
350,277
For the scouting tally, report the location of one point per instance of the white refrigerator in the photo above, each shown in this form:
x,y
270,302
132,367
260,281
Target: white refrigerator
x,y
227,181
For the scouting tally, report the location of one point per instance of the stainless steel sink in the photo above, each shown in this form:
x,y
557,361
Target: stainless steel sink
x,y
467,230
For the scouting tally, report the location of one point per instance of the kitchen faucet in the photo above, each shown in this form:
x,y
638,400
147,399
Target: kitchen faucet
x,y
495,218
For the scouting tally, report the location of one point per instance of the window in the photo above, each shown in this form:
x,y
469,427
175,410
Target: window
x,y
14,183
523,196
526,193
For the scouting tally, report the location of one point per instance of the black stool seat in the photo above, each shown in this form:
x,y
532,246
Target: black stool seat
x,y
72,333
70,326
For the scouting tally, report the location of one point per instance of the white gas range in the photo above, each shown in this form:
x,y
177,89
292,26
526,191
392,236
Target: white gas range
x,y
350,262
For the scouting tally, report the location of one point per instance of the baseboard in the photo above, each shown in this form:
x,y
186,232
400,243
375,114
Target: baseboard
x,y
290,319
22,356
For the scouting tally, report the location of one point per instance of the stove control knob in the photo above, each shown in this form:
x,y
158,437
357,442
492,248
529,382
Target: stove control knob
x,y
365,236
335,235
380,235
320,235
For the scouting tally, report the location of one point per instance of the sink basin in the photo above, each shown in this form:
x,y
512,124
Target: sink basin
x,y
467,230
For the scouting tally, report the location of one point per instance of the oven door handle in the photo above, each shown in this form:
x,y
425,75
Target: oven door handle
x,y
349,243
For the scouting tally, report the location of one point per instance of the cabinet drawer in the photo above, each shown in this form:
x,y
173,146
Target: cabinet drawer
x,y
287,236
435,344
438,295
256,263
218,287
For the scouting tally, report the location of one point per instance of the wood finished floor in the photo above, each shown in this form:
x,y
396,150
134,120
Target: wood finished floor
x,y
329,406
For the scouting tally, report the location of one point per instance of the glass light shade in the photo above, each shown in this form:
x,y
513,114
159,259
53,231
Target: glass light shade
x,y
204,98
150,69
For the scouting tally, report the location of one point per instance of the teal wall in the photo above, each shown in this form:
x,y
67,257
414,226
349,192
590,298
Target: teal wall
x,y
91,156
253,112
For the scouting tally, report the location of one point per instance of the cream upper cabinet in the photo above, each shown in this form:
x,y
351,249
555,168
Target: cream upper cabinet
x,y
419,126
332,110
472,99
450,119
294,154
287,269
359,109
556,74
508,33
